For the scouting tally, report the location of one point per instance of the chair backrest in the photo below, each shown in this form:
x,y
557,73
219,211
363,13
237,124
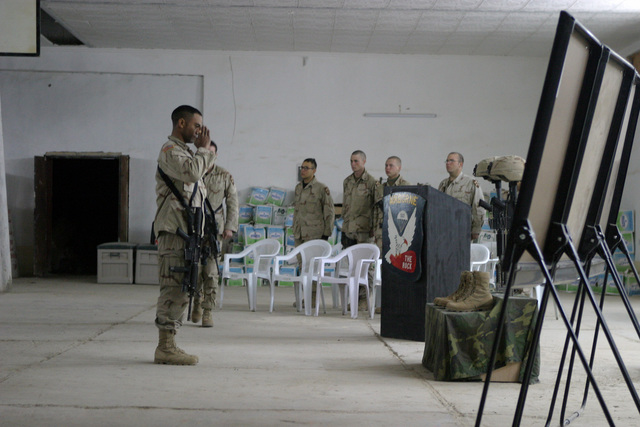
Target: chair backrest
x,y
480,255
359,252
266,247
313,249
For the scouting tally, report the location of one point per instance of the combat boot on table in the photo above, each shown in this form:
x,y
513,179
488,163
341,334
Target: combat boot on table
x,y
207,319
196,312
464,289
168,353
479,299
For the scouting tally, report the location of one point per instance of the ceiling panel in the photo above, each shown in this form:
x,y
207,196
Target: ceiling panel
x,y
469,27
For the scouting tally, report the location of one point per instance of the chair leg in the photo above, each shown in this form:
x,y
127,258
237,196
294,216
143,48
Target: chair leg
x,y
372,306
344,298
222,291
335,294
353,296
306,291
272,290
250,294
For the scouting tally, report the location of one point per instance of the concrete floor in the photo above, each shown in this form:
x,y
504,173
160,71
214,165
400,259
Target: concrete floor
x,y
77,353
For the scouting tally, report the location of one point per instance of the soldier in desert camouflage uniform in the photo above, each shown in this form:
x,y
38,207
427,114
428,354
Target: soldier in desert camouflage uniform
x,y
392,168
314,211
186,169
223,197
314,214
465,189
357,210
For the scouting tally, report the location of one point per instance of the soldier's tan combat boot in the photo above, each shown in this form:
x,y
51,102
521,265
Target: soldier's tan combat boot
x,y
168,353
207,319
464,289
196,312
479,299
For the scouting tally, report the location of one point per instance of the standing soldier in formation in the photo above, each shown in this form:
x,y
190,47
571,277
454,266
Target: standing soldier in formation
x,y
223,198
392,168
465,189
185,170
314,212
357,209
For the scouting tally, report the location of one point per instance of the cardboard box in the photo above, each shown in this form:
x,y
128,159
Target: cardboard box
x,y
631,284
242,234
116,261
276,232
258,196
626,221
290,240
245,214
276,196
288,221
254,234
262,214
279,215
146,270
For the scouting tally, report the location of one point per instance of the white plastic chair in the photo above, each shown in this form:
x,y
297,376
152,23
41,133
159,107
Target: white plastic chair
x,y
263,253
309,253
360,257
377,283
480,255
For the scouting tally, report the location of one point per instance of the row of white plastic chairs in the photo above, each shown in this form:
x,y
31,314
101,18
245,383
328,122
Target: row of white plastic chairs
x,y
345,270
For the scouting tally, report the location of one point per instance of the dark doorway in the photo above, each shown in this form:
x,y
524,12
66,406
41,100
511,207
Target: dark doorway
x,y
79,204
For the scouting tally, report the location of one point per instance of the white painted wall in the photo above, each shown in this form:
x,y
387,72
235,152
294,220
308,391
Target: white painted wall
x,y
5,248
267,112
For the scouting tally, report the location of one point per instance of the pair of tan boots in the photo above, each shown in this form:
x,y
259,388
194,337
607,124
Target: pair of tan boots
x,y
472,293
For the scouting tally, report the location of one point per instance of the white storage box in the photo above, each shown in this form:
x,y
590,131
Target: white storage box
x,y
147,265
116,262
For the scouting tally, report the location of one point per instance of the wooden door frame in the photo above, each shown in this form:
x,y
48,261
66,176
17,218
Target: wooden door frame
x,y
43,186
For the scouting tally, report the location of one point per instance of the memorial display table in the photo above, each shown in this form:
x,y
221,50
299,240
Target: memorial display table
x,y
458,344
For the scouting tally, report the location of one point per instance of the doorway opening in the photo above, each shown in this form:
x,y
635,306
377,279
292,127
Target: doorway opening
x,y
81,202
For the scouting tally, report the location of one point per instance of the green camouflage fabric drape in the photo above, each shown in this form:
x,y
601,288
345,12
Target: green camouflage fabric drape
x,y
458,345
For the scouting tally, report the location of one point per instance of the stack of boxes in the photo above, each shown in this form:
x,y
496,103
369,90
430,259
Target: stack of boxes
x,y
121,262
626,225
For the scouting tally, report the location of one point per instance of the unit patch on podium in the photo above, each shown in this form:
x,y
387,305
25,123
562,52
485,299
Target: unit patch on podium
x,y
403,212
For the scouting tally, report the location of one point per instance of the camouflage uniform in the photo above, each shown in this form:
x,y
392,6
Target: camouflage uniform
x,y
467,190
220,187
357,207
314,214
185,169
378,213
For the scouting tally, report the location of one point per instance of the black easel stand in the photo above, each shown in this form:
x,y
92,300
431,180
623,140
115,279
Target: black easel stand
x,y
523,240
605,251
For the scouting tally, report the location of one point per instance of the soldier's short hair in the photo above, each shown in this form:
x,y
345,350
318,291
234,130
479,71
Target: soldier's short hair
x,y
460,157
312,161
215,145
183,112
396,158
359,153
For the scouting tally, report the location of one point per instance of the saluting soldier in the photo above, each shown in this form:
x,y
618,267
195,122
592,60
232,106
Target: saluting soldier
x,y
223,198
185,169
465,189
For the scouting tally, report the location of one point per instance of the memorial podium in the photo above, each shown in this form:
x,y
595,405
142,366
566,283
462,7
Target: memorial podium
x,y
425,246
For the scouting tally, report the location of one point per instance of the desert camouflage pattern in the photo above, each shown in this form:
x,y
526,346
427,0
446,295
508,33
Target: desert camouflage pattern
x,y
221,188
483,168
314,212
508,168
357,204
378,214
185,169
458,345
172,302
467,190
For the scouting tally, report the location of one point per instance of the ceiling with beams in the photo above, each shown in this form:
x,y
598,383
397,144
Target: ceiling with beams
x,y
444,27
